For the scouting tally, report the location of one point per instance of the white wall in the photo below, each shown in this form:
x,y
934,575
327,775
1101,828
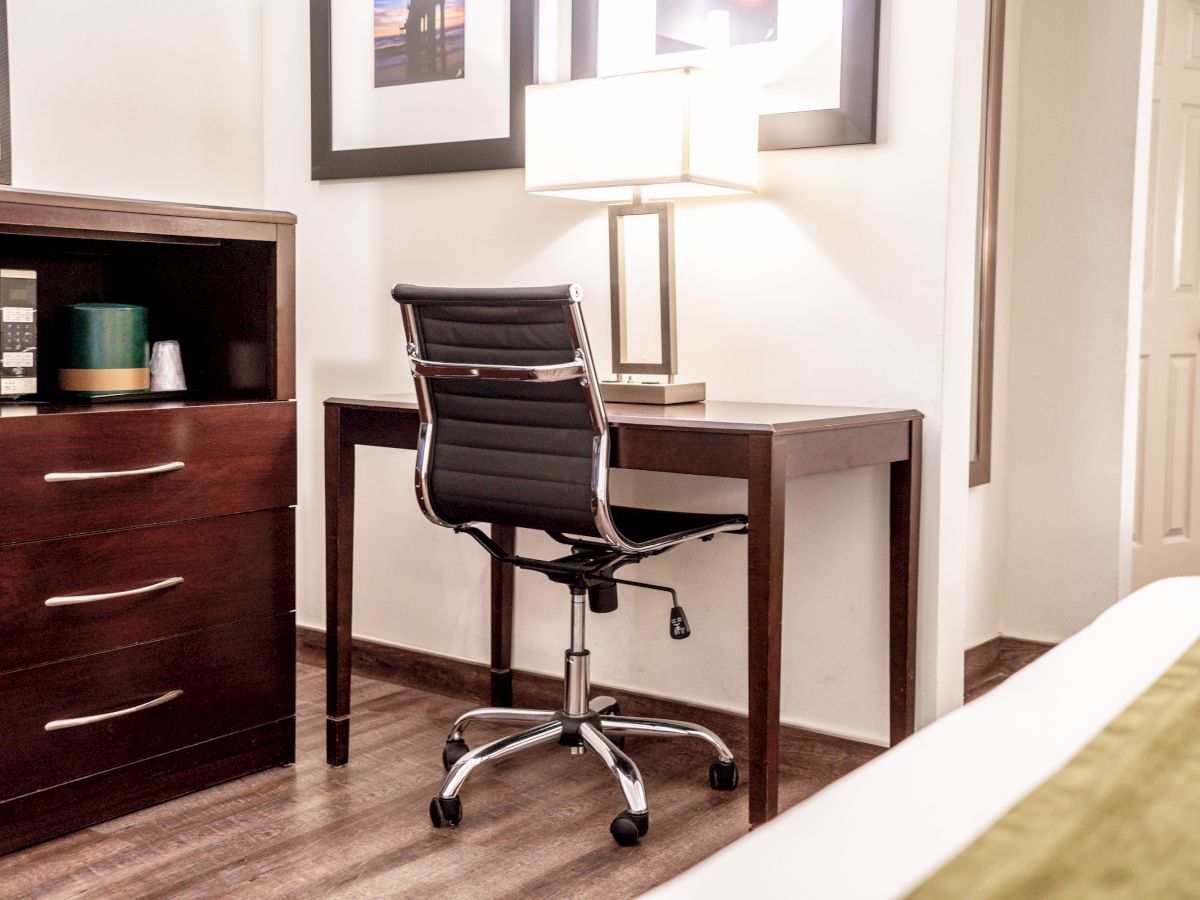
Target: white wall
x,y
846,280
987,526
1078,233
854,263
829,286
156,99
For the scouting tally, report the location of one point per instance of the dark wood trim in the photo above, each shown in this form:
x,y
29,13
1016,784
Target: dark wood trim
x,y
837,449
989,663
904,546
981,664
283,324
852,122
989,198
766,493
986,664
712,416
76,804
339,573
5,101
150,226
687,453
378,428
417,159
53,408
144,207
723,454
471,681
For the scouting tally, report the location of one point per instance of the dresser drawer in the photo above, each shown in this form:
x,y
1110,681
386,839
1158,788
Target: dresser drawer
x,y
235,457
115,708
80,595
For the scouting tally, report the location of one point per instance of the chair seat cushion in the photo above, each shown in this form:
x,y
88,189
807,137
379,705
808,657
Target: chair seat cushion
x,y
641,525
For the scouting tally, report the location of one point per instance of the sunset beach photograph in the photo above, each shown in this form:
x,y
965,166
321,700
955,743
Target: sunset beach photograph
x,y
418,41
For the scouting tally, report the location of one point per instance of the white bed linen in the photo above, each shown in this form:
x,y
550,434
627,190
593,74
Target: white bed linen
x,y
884,828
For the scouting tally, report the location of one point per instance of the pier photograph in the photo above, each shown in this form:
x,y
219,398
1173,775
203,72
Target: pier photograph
x,y
419,40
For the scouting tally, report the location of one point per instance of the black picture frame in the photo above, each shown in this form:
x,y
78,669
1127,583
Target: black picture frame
x,y
5,108
420,159
852,122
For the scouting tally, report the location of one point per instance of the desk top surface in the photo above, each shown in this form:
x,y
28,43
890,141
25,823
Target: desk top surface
x,y
712,415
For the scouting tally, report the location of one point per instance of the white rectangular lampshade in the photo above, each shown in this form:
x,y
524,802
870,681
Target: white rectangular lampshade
x,y
675,133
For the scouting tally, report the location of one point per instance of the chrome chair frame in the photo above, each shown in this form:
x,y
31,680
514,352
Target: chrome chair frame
x,y
582,368
583,724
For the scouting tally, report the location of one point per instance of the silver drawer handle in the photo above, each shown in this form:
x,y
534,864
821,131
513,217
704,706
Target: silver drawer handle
x,y
72,599
59,724
88,476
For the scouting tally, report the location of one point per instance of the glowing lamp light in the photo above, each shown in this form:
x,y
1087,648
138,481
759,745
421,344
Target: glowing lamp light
x,y
635,141
672,133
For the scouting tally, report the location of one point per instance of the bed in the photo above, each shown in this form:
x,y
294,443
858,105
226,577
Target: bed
x,y
888,826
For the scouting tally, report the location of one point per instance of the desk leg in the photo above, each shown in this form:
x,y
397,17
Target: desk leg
x,y
766,500
339,568
502,618
906,520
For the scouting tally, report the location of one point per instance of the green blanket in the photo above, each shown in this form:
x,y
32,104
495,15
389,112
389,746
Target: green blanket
x,y
1122,819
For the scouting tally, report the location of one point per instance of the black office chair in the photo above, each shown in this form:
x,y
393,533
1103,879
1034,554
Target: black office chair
x,y
513,432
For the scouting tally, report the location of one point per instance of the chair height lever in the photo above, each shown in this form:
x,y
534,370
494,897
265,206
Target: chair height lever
x,y
679,628
679,624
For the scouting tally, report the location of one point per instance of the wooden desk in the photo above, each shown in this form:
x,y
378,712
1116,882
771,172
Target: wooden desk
x,y
765,444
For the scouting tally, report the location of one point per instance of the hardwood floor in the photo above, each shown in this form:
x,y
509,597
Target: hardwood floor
x,y
534,825
989,664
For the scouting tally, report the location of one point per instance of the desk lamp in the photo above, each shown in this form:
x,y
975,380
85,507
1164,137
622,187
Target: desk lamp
x,y
641,139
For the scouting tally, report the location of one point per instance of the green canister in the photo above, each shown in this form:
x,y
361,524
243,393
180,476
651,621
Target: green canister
x,y
104,348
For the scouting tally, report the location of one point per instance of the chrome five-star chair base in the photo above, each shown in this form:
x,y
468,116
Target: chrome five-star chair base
x,y
581,725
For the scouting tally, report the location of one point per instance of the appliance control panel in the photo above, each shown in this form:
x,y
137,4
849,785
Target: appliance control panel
x,y
18,333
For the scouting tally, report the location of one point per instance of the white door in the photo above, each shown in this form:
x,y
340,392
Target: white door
x,y
1166,538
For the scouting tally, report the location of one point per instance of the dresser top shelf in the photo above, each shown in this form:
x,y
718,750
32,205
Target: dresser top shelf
x,y
14,410
144,207
220,281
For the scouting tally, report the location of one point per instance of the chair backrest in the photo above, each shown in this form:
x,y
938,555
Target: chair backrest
x,y
513,430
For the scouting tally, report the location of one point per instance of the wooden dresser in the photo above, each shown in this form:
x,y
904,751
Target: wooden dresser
x,y
147,624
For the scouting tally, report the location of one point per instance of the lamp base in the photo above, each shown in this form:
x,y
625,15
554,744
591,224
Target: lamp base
x,y
650,393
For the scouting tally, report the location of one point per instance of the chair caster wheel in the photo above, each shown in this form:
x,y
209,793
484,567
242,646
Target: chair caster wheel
x,y
453,752
723,776
445,811
628,827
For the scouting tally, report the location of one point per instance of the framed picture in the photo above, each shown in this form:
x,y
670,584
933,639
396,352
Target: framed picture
x,y
5,117
817,61
408,87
